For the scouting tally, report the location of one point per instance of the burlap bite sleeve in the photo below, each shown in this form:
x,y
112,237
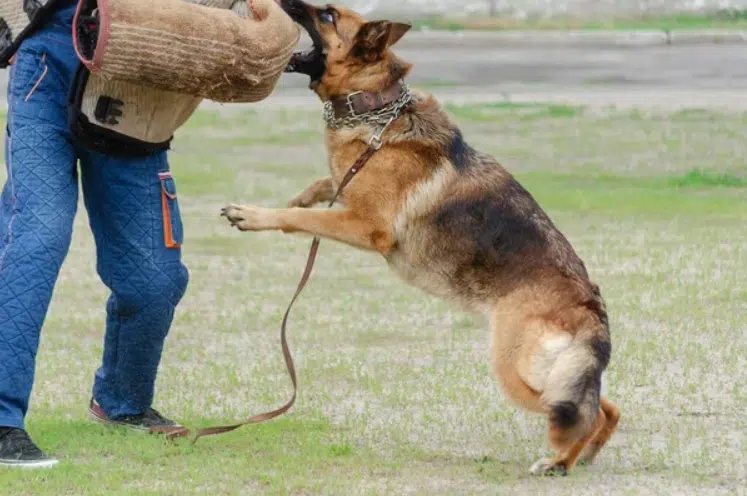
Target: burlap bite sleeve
x,y
186,48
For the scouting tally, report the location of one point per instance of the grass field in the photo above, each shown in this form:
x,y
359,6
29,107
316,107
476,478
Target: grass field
x,y
396,394
723,19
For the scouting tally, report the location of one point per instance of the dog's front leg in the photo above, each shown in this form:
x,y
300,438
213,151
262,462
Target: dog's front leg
x,y
341,225
321,190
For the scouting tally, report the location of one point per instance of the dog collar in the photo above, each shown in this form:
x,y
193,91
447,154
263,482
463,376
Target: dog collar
x,y
367,107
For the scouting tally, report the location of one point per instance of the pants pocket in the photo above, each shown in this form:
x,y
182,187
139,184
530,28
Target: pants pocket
x,y
28,70
38,77
173,232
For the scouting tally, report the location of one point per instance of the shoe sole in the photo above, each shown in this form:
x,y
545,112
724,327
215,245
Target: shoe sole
x,y
100,420
28,464
179,431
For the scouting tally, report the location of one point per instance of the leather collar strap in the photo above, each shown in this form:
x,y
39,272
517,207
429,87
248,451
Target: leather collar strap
x,y
361,102
211,431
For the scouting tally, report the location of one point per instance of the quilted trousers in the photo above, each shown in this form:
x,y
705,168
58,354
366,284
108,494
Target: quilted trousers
x,y
134,217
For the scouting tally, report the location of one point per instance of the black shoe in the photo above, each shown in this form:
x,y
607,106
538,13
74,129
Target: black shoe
x,y
150,421
18,450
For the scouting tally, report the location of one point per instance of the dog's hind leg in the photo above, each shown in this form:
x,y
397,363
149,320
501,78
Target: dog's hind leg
x,y
547,369
506,369
568,451
612,413
571,394
512,365
514,386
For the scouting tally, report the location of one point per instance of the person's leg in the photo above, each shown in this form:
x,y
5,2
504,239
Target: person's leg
x,y
37,208
135,219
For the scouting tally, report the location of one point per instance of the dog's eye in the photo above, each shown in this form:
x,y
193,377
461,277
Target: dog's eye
x,y
327,17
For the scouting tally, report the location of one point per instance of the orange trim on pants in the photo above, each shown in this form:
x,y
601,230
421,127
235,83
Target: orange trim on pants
x,y
168,233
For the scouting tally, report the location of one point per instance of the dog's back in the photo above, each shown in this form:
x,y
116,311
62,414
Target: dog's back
x,y
472,224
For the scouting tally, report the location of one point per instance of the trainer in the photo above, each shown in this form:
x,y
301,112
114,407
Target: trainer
x,y
137,259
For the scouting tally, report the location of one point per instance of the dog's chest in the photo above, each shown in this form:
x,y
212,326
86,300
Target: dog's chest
x,y
341,153
414,259
418,274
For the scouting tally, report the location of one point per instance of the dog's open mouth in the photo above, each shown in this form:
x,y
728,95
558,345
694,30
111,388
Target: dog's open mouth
x,y
303,58
312,61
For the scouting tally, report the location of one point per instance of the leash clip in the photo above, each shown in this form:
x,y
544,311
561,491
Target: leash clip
x,y
375,141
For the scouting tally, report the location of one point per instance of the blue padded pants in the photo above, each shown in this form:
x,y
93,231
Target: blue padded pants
x,y
135,221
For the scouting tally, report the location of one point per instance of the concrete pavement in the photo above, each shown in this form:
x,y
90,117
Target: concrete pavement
x,y
618,96
480,66
584,37
542,8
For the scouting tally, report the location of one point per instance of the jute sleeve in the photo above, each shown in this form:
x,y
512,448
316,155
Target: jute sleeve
x,y
235,55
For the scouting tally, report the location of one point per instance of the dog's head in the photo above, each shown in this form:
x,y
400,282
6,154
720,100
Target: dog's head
x,y
348,53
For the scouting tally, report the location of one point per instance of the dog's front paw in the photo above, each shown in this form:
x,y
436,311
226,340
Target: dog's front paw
x,y
547,467
248,217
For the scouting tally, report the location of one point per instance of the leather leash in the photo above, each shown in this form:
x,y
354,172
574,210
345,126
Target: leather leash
x,y
373,147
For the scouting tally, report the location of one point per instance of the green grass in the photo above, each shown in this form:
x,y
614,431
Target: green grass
x,y
625,197
396,394
282,454
513,111
723,19
697,178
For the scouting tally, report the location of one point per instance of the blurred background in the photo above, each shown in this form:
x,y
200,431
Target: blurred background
x,y
625,119
541,8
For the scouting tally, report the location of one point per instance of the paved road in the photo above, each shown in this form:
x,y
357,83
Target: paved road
x,y
482,61
485,68
577,8
668,76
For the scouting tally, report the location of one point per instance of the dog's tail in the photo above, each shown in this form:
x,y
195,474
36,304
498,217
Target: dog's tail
x,y
573,385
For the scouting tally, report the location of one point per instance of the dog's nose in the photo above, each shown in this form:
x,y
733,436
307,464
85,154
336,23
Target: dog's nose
x,y
291,3
295,8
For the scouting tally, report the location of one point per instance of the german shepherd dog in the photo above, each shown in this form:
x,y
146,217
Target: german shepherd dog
x,y
452,221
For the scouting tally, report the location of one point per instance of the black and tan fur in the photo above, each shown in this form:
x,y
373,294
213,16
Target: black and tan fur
x,y
450,220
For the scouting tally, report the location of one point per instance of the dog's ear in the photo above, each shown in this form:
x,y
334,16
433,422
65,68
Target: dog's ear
x,y
374,37
398,31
